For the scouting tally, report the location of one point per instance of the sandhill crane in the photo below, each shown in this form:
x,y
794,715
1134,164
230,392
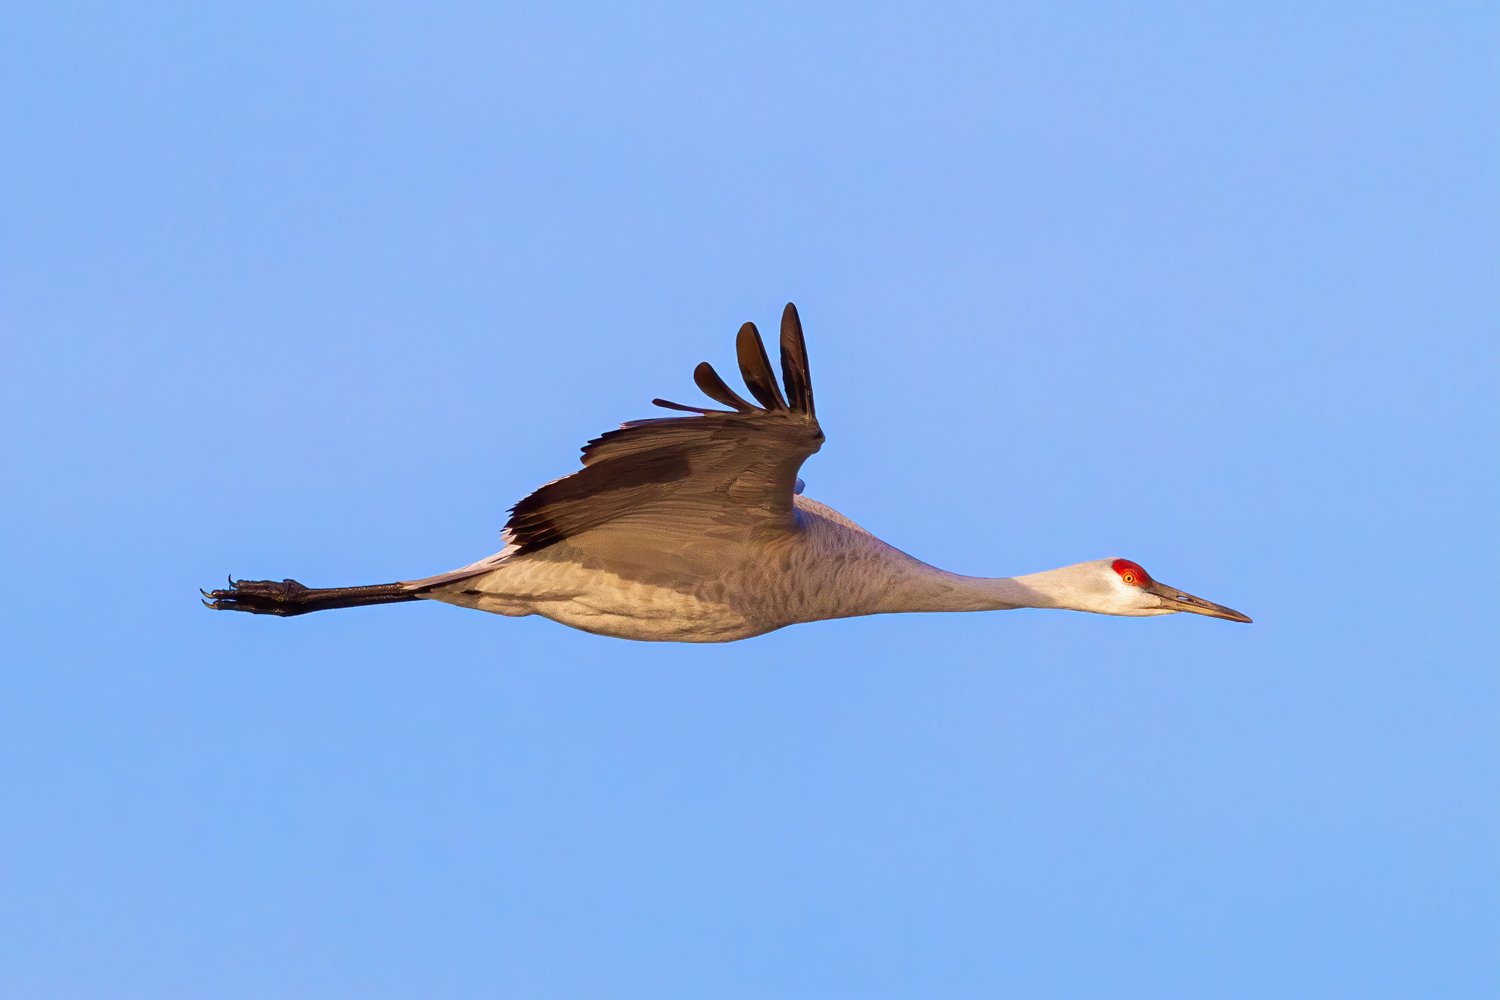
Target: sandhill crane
x,y
694,529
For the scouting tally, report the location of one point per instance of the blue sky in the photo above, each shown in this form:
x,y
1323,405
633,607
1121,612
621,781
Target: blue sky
x,y
320,290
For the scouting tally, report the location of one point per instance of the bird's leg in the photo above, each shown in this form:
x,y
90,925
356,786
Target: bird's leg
x,y
288,597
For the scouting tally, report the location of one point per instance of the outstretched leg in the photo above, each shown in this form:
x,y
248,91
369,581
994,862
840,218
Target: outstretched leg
x,y
288,597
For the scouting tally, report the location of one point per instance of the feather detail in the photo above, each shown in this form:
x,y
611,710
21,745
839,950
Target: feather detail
x,y
755,368
715,388
667,404
794,369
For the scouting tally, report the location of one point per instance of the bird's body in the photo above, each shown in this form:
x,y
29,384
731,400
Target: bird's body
x,y
692,529
717,590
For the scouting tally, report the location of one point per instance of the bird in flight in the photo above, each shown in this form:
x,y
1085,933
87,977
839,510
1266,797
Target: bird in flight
x,y
694,529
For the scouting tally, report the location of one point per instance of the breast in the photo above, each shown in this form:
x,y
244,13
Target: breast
x,y
840,570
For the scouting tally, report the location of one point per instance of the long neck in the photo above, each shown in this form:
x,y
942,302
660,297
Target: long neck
x,y
838,569
930,589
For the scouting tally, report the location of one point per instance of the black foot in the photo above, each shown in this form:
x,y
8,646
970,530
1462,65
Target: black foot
x,y
260,597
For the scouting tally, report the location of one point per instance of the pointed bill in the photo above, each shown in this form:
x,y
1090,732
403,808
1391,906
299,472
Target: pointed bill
x,y
1173,599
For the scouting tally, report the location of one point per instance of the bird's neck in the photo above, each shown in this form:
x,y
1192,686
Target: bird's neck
x,y
938,590
873,577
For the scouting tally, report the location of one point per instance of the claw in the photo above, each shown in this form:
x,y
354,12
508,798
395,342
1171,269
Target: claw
x,y
230,578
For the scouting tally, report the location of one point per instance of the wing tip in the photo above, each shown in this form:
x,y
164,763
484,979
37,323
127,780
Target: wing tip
x,y
795,371
755,368
715,388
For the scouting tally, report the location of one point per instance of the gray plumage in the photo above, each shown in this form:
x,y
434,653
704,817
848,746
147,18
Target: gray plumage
x,y
692,529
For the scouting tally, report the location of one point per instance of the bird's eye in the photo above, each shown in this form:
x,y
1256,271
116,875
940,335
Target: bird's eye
x,y
1131,572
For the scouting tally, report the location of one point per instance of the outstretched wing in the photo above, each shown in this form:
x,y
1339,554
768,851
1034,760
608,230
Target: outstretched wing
x,y
734,468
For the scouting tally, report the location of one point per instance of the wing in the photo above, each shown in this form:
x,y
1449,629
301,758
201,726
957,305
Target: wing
x,y
734,468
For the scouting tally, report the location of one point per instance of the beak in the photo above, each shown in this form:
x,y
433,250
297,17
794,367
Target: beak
x,y
1173,599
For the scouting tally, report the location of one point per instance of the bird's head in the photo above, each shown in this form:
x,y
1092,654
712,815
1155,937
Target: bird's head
x,y
1122,587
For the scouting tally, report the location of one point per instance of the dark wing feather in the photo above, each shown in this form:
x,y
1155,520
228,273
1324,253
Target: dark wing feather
x,y
733,471
756,368
715,388
667,404
794,370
